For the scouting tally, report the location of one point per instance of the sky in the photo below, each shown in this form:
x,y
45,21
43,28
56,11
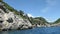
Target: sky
x,y
49,9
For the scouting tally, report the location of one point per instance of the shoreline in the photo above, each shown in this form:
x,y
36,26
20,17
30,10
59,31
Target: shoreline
x,y
25,28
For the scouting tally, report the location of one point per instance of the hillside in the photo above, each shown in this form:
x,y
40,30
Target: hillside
x,y
57,21
11,18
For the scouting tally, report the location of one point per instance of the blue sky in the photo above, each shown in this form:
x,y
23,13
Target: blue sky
x,y
49,9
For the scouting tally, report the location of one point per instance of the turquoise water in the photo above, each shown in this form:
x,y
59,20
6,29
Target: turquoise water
x,y
47,30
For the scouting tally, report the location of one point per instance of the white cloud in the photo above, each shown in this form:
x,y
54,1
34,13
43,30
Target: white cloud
x,y
29,15
48,20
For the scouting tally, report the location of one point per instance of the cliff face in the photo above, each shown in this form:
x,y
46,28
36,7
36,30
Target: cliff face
x,y
9,20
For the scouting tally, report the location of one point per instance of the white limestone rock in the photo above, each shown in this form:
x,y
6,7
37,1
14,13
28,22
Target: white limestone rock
x,y
10,20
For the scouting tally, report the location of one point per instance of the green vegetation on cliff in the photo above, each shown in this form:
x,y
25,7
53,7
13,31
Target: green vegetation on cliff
x,y
57,21
10,8
38,20
20,13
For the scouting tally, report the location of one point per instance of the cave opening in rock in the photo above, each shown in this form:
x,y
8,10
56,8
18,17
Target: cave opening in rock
x,y
1,21
10,20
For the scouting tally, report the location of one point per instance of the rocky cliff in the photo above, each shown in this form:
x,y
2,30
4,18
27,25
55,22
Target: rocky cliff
x,y
10,20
